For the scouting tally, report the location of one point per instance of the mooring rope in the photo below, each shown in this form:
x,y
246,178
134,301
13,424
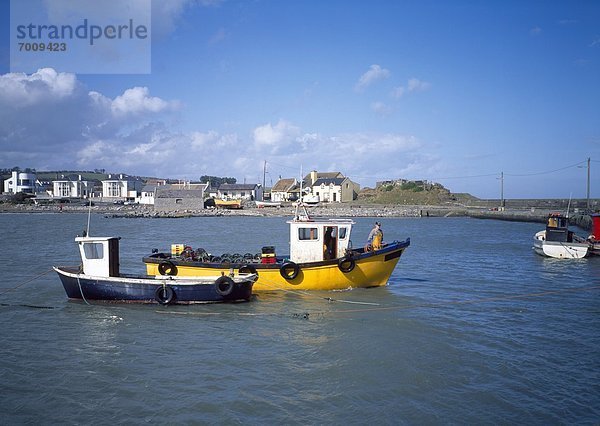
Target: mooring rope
x,y
26,282
81,291
309,294
306,315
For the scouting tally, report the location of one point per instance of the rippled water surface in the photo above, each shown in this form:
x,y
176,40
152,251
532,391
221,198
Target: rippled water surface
x,y
472,328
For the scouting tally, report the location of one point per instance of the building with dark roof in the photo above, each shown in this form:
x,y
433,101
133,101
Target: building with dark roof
x,y
335,189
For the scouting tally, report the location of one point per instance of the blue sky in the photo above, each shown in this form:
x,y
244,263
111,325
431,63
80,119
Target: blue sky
x,y
450,91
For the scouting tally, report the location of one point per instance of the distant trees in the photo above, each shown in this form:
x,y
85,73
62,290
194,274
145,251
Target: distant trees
x,y
216,181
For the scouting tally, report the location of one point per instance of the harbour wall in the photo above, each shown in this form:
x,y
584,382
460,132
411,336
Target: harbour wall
x,y
515,210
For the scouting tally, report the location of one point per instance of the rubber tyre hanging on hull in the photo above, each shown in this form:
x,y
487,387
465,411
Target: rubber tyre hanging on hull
x,y
164,295
346,264
167,268
289,270
224,285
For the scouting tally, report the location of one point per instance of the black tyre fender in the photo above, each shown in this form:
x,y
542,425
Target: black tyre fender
x,y
224,285
164,294
346,264
289,270
248,269
167,268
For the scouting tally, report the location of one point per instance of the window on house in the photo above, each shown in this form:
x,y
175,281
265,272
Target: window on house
x,y
308,234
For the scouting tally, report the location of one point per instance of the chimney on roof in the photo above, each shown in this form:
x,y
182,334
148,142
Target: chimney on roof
x,y
313,177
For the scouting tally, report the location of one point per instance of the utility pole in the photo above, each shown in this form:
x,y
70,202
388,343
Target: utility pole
x,y
502,190
588,185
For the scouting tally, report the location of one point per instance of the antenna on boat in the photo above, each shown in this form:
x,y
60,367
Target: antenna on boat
x,y
569,205
300,204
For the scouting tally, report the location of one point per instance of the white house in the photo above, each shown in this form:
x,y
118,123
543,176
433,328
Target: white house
x,y
235,191
147,196
335,190
121,187
21,182
285,190
72,187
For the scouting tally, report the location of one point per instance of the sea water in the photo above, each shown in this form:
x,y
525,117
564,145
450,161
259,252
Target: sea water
x,y
473,328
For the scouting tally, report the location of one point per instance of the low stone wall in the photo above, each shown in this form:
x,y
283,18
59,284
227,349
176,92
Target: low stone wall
x,y
338,210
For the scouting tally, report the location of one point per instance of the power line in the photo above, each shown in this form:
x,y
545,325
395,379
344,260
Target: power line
x,y
546,172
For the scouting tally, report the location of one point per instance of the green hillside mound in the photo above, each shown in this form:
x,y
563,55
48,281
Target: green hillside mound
x,y
408,193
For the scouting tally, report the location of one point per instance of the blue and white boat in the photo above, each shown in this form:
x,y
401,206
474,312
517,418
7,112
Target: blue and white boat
x,y
98,279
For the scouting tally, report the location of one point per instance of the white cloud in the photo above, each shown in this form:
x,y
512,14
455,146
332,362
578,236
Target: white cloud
x,y
81,130
416,85
166,14
51,120
398,92
138,101
381,109
375,73
275,137
44,85
412,85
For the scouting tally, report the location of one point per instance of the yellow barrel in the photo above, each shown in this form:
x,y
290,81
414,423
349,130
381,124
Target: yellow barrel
x,y
177,249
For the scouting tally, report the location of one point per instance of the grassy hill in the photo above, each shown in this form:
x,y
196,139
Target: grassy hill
x,y
410,193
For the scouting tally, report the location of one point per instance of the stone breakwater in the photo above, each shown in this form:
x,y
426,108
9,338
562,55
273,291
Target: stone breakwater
x,y
339,210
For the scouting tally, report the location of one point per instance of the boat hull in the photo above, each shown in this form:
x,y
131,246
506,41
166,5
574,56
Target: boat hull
x,y
558,249
263,204
365,269
228,204
163,290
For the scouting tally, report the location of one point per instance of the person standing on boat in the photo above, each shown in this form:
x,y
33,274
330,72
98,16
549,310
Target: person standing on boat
x,y
327,244
375,238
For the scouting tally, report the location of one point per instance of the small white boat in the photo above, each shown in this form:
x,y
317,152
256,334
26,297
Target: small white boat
x,y
311,199
262,204
558,242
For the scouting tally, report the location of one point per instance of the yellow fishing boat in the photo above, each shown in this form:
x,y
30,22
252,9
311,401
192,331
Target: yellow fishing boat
x,y
321,258
228,204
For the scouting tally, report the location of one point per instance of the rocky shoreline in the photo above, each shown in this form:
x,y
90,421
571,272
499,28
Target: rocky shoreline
x,y
339,210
